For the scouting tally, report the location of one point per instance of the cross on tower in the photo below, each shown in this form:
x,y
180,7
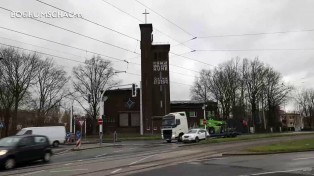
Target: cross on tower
x,y
145,13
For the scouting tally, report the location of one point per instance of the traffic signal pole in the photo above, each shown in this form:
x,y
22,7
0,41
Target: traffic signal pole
x,y
101,112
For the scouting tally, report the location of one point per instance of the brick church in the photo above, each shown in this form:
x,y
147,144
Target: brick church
x,y
122,111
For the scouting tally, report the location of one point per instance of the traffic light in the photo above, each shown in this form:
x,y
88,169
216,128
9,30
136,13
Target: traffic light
x,y
133,90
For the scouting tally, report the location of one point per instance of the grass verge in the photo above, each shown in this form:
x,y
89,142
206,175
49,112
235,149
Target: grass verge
x,y
289,146
251,137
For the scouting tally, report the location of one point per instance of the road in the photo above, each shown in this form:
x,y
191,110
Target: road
x,y
148,157
292,164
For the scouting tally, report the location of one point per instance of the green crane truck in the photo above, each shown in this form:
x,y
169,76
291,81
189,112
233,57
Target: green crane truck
x,y
217,128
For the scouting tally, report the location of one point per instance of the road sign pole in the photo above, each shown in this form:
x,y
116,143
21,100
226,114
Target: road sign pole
x,y
85,127
100,133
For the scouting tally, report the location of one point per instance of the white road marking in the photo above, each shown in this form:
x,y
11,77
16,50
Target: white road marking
x,y
115,171
117,151
63,152
142,159
144,165
69,170
33,172
79,160
101,155
68,164
296,159
274,172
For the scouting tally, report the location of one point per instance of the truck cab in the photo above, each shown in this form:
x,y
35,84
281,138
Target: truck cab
x,y
174,126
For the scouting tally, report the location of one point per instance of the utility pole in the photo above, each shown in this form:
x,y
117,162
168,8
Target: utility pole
x,y
205,107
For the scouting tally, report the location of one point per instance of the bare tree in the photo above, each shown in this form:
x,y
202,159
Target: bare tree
x,y
305,99
95,76
221,84
198,91
50,89
254,75
276,92
18,74
234,85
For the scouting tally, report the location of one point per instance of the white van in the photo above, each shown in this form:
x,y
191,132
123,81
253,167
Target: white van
x,y
55,134
174,126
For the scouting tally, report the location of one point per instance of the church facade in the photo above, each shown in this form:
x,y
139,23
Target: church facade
x,y
122,111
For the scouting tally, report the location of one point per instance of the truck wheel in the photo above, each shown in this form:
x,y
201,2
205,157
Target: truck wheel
x,y
168,141
55,144
180,138
197,140
211,130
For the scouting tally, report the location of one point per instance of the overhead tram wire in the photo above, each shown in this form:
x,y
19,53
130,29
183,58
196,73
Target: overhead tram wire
x,y
191,59
62,44
51,55
253,34
166,19
54,56
43,53
84,57
167,35
179,43
266,49
85,19
68,30
42,47
84,50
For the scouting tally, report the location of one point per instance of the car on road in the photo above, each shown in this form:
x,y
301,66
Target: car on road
x,y
24,148
195,135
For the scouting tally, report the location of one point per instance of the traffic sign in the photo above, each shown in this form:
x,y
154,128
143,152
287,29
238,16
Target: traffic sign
x,y
78,134
100,121
204,121
81,122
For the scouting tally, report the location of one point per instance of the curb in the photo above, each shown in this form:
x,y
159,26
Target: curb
x,y
264,153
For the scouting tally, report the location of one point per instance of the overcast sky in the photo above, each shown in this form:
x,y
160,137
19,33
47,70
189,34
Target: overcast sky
x,y
183,20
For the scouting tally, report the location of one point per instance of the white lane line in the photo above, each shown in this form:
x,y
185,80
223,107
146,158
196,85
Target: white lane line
x,y
63,152
68,164
33,172
144,165
142,159
69,170
274,172
115,171
296,159
101,155
117,151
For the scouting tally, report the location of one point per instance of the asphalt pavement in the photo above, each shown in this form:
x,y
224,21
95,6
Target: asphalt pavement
x,y
141,157
288,164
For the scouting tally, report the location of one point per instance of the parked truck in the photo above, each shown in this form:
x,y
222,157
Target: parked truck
x,y
174,126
